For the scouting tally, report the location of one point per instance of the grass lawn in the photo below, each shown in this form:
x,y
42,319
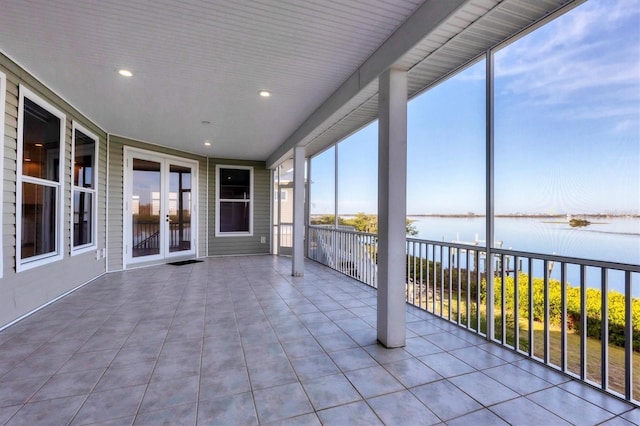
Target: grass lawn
x,y
616,365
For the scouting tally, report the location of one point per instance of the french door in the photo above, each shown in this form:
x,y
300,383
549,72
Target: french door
x,y
159,207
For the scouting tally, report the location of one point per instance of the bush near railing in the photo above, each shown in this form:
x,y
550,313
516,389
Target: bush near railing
x,y
416,266
616,300
616,305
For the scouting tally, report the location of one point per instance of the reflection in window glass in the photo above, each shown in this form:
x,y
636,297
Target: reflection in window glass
x,y
84,193
179,208
145,208
85,148
82,218
41,130
235,194
235,184
40,142
234,216
38,220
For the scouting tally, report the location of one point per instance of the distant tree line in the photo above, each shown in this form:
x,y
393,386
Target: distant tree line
x,y
361,222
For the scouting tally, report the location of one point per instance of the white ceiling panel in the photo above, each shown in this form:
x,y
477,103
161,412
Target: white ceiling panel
x,y
199,60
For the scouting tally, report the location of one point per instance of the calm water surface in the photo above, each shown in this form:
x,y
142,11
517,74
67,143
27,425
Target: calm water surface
x,y
615,240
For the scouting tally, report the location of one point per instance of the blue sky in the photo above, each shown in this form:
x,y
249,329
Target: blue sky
x,y
567,135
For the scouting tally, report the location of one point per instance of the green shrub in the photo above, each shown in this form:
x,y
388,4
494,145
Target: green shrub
x,y
593,307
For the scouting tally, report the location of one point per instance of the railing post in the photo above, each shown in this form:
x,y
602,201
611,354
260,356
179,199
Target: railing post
x,y
604,328
628,337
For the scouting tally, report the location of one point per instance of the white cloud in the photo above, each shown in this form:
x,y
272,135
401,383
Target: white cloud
x,y
587,59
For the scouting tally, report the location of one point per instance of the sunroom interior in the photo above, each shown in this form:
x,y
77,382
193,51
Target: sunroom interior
x,y
138,134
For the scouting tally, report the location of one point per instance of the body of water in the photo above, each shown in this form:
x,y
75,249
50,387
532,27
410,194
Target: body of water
x,y
611,239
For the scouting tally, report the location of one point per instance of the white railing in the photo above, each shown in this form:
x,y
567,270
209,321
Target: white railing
x,y
578,316
350,252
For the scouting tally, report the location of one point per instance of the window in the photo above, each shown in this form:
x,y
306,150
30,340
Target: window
x,y
84,197
282,195
41,132
234,200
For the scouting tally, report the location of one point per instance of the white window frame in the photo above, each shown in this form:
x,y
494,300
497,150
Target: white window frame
x,y
3,99
94,191
58,254
219,233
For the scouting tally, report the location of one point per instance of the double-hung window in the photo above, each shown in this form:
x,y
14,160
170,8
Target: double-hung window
x,y
234,199
84,197
41,138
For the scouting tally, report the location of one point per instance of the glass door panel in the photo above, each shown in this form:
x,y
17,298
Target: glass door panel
x,y
179,216
159,207
145,208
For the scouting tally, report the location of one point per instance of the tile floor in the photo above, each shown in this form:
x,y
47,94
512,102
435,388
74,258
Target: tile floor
x,y
239,341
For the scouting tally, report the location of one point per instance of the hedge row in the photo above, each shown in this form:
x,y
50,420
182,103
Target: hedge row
x,y
615,301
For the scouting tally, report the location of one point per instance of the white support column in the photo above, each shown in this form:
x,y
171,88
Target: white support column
x,y
297,264
307,203
336,189
392,207
489,269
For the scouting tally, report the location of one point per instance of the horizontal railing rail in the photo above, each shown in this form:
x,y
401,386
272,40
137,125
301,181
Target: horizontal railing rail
x,y
579,316
146,235
350,252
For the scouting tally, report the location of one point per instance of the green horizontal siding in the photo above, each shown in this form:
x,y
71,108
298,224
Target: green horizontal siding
x,y
23,292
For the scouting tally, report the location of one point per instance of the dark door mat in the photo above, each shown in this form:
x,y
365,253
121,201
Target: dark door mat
x,y
184,262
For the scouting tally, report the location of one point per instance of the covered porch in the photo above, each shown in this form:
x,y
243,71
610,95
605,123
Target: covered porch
x,y
238,340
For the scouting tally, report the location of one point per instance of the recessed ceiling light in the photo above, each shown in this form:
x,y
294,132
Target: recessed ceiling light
x,y
125,73
264,93
207,143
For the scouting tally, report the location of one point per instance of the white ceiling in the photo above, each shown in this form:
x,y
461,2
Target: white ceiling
x,y
198,60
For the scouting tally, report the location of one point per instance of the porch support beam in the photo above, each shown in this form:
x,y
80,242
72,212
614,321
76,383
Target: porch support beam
x,y
489,224
392,210
297,264
426,19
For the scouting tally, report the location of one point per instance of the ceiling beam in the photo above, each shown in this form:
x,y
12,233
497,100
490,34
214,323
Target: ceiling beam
x,y
419,25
